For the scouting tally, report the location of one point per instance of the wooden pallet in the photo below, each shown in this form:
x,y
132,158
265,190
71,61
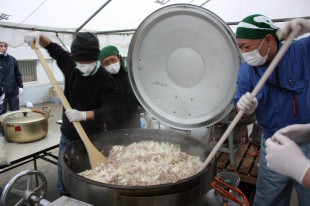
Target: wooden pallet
x,y
245,163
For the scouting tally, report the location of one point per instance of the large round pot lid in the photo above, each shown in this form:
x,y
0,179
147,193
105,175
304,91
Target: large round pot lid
x,y
22,117
182,65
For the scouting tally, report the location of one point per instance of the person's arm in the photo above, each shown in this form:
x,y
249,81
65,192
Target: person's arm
x,y
285,157
18,75
90,115
77,116
296,132
247,103
38,38
306,179
243,99
62,57
44,41
109,105
301,24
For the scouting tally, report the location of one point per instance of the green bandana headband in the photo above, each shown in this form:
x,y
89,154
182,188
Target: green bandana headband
x,y
108,51
256,26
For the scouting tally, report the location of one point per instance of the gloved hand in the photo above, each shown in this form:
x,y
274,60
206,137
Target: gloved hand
x,y
302,24
285,157
247,103
31,37
75,115
2,98
20,91
296,132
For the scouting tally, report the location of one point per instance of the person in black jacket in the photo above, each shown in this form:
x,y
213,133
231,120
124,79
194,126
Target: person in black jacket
x,y
10,79
128,111
90,89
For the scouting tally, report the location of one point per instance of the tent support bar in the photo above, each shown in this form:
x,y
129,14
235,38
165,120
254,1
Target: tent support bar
x,y
35,28
38,28
92,16
228,23
116,31
274,20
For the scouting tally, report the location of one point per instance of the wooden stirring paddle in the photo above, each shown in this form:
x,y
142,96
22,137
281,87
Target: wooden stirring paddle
x,y
95,157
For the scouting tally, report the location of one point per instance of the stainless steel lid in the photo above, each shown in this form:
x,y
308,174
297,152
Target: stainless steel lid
x,y
182,63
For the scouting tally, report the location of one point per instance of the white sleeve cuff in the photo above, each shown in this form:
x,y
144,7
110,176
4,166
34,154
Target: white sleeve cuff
x,y
304,173
84,116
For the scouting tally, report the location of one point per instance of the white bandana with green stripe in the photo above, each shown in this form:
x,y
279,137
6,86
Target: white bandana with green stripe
x,y
256,26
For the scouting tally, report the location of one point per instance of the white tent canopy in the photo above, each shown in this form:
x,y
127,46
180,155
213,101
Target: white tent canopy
x,y
109,16
106,17
122,15
114,21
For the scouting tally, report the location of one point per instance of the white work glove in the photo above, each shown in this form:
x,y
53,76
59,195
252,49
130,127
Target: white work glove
x,y
247,103
285,157
2,98
302,24
33,37
20,91
75,115
296,132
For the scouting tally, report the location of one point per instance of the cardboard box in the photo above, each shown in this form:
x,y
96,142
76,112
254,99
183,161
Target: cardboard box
x,y
53,95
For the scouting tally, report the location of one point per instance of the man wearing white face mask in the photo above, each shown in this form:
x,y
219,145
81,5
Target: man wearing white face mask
x,y
128,111
283,100
11,79
89,89
254,58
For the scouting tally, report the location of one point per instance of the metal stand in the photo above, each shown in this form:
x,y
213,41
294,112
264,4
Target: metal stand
x,y
33,195
231,149
235,137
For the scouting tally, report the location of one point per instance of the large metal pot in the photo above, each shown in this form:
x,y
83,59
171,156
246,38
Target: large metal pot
x,y
26,125
182,66
187,192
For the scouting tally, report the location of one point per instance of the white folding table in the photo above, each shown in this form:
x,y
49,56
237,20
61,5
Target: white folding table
x,y
18,154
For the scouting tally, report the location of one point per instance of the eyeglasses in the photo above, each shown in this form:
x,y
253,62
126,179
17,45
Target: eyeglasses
x,y
3,45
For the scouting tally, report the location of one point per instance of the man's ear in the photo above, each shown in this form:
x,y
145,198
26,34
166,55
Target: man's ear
x,y
270,39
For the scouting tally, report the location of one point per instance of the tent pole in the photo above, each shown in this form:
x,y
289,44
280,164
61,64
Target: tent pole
x,y
92,16
274,20
35,28
117,31
228,23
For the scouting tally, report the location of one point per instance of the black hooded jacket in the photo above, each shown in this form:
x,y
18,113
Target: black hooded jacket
x,y
128,110
96,93
10,76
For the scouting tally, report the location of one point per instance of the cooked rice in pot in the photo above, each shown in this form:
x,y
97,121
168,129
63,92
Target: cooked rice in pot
x,y
145,163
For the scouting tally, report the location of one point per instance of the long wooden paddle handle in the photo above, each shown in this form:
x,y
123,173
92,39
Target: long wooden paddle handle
x,y
259,85
89,146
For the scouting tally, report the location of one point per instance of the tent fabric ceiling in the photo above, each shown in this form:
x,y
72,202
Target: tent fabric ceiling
x,y
115,23
125,15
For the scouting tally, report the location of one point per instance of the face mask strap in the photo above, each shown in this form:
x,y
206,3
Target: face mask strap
x,y
254,58
261,44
